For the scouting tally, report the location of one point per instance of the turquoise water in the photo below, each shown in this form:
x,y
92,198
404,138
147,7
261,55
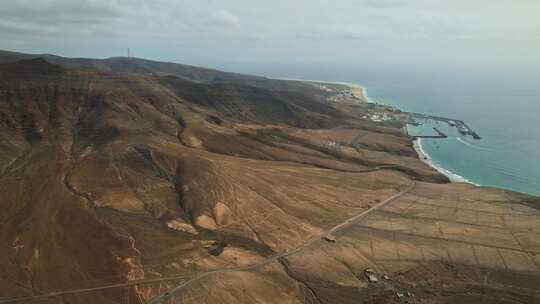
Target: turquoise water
x,y
502,106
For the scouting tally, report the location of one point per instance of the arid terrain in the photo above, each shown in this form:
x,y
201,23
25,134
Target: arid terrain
x,y
132,181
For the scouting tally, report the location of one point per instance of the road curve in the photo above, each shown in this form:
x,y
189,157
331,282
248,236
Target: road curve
x,y
199,276
347,223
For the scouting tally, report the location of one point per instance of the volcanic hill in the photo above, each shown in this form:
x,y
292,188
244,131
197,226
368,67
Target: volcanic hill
x,y
122,179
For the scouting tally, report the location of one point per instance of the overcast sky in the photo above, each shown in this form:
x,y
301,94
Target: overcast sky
x,y
450,32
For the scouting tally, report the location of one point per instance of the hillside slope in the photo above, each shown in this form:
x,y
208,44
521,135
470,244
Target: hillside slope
x,y
113,175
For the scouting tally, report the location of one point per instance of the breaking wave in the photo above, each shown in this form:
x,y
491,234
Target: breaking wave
x,y
424,156
474,146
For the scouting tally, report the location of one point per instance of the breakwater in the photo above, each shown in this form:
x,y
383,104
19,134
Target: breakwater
x,y
462,127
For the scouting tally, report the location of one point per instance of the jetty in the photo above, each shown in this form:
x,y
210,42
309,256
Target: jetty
x,y
439,132
460,125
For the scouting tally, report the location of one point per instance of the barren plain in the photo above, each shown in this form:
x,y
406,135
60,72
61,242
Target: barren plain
x,y
130,181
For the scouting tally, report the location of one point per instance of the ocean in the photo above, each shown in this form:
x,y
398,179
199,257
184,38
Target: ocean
x,y
501,105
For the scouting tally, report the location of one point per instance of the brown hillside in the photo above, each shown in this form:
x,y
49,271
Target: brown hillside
x,y
113,172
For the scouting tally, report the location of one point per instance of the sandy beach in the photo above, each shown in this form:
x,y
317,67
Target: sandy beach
x,y
417,144
360,93
357,91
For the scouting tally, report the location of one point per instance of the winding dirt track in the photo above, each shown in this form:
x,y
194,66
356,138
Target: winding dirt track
x,y
276,257
269,260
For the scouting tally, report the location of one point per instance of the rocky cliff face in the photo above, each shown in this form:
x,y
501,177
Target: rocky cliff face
x,y
114,171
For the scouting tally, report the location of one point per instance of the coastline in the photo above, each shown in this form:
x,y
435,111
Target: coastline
x,y
424,157
357,90
417,143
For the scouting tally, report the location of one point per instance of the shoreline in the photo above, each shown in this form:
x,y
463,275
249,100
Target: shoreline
x,y
423,155
425,158
417,143
358,91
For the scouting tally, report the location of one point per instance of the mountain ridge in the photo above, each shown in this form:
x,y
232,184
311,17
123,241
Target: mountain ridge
x,y
110,177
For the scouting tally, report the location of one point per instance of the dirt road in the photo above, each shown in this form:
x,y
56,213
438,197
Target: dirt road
x,y
274,258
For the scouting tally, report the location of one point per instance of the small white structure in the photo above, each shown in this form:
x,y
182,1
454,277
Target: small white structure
x,y
370,275
329,238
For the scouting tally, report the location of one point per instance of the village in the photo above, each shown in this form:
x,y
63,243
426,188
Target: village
x,y
383,113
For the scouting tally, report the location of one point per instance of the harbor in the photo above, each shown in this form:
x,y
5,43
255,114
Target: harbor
x,y
385,113
460,125
440,134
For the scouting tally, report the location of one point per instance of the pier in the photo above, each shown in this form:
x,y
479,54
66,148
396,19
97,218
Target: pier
x,y
439,132
461,126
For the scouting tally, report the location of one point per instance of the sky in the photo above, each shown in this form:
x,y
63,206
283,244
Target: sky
x,y
209,32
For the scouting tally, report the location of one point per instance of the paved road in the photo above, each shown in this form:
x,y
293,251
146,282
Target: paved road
x,y
351,221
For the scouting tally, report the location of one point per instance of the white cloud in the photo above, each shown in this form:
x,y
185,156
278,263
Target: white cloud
x,y
224,18
308,28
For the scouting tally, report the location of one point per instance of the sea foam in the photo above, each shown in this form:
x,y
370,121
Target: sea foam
x,y
424,156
